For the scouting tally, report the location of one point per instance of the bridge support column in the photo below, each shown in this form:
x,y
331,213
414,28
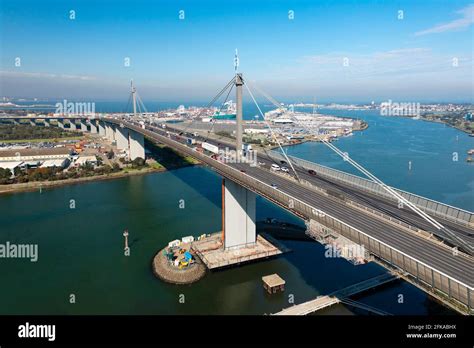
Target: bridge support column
x,y
137,145
72,125
93,127
109,132
46,123
101,127
239,215
33,122
84,125
60,123
121,137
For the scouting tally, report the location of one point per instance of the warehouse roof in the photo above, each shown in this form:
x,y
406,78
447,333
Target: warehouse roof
x,y
46,151
10,165
84,159
53,163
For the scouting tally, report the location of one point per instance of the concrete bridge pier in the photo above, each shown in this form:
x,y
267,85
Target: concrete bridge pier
x,y
93,127
239,216
83,125
109,132
72,124
60,123
33,122
101,128
121,137
137,145
46,123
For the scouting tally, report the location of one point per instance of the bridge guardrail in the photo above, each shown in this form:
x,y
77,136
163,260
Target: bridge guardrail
x,y
365,208
443,210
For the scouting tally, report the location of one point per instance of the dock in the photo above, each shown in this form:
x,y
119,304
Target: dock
x,y
338,296
212,253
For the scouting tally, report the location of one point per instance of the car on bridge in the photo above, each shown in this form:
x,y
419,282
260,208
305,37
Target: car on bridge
x,y
285,169
311,172
275,167
274,186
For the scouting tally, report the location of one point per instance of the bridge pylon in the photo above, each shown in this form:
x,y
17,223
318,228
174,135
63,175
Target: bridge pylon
x,y
238,220
238,133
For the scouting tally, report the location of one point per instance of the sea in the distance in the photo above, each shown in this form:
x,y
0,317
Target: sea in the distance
x,y
81,249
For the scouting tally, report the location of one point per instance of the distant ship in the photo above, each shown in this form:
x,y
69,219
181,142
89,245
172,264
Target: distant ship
x,y
228,112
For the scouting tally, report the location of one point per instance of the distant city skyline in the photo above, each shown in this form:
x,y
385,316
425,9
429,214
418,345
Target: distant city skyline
x,y
329,51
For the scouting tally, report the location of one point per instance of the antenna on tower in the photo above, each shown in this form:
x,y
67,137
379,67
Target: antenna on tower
x,y
236,60
134,98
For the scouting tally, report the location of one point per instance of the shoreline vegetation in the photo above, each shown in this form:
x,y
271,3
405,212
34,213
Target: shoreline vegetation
x,y
37,185
125,172
19,133
450,121
440,121
41,140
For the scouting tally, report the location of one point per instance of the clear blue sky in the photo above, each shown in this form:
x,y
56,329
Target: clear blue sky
x,y
409,59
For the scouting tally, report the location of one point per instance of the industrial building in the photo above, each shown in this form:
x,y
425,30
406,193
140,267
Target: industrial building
x,y
36,154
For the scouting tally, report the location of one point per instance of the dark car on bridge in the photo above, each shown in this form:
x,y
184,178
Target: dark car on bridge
x,y
312,172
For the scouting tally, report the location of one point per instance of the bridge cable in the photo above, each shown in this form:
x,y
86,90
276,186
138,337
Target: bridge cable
x,y
275,103
272,132
218,95
220,110
128,102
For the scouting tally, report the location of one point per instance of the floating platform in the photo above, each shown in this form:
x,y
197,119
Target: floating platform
x,y
211,251
273,283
